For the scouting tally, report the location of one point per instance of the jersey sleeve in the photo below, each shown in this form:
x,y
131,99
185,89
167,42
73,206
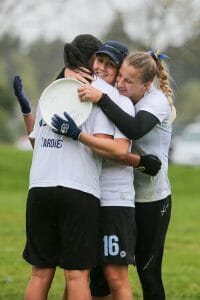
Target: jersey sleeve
x,y
156,104
102,124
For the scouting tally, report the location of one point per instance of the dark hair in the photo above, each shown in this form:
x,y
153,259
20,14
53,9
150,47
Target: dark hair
x,y
79,52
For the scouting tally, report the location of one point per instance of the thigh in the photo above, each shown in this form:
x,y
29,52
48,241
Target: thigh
x,y
118,235
152,220
79,222
42,246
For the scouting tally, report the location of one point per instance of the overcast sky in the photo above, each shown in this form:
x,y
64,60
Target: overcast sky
x,y
66,18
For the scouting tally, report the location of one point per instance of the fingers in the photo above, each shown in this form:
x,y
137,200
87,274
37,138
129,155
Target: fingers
x,y
84,70
56,120
85,79
17,80
67,116
17,85
55,131
86,74
84,92
84,88
54,123
81,75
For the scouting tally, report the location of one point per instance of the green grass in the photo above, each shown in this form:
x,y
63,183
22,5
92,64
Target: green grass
x,y
181,266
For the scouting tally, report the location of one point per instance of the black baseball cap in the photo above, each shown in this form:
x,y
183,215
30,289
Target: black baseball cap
x,y
115,50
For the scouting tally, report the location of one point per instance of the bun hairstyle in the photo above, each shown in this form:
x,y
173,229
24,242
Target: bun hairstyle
x,y
73,58
79,52
152,66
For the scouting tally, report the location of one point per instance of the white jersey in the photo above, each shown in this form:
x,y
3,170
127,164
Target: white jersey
x,y
116,181
60,161
156,142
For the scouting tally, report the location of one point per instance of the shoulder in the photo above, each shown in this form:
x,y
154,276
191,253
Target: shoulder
x,y
155,102
126,104
103,86
153,98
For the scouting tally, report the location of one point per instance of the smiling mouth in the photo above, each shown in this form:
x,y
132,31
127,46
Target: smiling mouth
x,y
100,74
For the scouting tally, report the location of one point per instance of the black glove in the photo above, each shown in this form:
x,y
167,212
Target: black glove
x,y
66,127
149,164
21,96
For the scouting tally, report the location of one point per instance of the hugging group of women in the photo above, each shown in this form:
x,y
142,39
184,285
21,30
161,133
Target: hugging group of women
x,y
101,201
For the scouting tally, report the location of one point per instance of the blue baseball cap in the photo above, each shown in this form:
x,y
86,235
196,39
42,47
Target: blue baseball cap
x,y
117,51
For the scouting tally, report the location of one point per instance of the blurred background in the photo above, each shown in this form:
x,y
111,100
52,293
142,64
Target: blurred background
x,y
32,35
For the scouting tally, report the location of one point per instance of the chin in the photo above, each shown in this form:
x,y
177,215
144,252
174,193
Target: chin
x,y
123,92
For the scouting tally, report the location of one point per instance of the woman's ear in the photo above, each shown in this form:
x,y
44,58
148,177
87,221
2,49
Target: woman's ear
x,y
147,84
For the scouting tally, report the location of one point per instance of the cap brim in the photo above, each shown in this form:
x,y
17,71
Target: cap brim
x,y
111,55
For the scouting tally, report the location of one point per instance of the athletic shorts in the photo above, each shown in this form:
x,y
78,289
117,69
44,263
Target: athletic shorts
x,y
62,227
117,244
118,235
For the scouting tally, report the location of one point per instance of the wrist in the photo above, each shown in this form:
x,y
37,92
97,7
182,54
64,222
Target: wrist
x,y
25,111
76,135
98,97
102,100
138,161
79,136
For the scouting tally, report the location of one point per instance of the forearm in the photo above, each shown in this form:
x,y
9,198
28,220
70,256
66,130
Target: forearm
x,y
29,121
103,146
130,159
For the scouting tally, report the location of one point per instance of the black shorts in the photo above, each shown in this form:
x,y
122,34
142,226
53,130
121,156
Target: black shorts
x,y
118,235
117,244
62,226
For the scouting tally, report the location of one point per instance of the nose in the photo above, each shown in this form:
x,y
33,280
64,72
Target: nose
x,y
100,65
120,82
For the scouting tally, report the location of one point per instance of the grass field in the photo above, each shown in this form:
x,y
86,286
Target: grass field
x,y
181,267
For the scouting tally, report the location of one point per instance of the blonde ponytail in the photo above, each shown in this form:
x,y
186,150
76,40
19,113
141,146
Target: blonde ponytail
x,y
163,79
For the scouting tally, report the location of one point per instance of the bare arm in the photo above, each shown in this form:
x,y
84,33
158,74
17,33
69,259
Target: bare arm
x,y
29,121
105,145
116,149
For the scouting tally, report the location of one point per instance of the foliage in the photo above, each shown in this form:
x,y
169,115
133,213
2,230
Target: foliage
x,y
5,130
188,105
185,64
40,63
181,261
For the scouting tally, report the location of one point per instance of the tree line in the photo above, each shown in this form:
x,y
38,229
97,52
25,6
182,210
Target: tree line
x,y
40,63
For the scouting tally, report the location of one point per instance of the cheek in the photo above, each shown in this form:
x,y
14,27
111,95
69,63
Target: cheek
x,y
112,72
131,90
95,65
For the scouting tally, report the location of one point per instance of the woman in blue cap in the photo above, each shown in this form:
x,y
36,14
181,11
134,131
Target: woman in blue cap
x,y
150,130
